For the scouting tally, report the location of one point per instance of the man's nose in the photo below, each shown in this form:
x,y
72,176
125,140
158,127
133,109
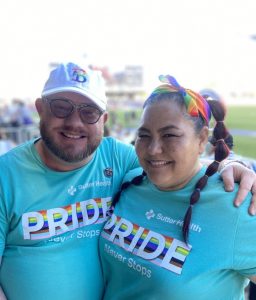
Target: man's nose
x,y
74,117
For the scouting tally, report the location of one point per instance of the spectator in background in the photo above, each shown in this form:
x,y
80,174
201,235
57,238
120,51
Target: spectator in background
x,y
26,115
6,144
15,117
5,116
20,114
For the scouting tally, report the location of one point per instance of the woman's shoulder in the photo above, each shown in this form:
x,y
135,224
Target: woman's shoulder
x,y
215,191
132,173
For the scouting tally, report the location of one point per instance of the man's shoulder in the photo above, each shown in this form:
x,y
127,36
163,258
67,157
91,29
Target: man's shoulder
x,y
17,151
120,154
115,144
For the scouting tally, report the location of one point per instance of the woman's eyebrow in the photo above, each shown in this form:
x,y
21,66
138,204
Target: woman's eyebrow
x,y
142,129
168,127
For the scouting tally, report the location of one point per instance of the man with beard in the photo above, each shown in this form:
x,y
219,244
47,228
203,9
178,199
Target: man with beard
x,y
55,192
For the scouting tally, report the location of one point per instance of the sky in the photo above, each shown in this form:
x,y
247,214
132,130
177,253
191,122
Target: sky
x,y
203,43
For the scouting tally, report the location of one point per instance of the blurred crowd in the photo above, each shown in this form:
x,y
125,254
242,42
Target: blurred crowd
x,y
13,117
16,114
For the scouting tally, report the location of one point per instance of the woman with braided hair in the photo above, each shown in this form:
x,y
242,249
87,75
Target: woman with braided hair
x,y
173,232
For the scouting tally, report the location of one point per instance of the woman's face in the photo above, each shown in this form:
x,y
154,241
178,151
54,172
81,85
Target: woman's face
x,y
168,146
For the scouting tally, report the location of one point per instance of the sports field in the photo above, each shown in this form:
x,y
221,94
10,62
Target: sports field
x,y
242,120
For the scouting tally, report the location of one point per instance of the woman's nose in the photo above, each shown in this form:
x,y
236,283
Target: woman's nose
x,y
155,147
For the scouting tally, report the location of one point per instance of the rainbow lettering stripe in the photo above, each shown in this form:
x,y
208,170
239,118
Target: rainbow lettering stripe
x,y
47,223
159,249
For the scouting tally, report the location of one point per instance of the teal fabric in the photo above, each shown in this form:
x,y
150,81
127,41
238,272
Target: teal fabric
x,y
50,222
142,249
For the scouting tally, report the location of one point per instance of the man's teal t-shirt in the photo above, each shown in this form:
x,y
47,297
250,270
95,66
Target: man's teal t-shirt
x,y
50,222
144,256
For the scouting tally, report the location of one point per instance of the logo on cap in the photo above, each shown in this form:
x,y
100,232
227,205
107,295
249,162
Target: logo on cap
x,y
79,75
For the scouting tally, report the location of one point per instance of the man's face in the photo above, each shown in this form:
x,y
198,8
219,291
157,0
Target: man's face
x,y
70,140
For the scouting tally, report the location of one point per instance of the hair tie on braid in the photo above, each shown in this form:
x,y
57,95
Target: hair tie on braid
x,y
220,140
212,140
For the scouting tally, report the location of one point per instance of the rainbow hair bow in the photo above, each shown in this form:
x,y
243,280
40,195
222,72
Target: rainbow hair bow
x,y
195,104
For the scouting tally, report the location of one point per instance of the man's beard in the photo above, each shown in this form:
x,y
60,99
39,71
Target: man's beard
x,y
61,153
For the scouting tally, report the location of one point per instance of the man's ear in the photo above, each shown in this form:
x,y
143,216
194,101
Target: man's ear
x,y
203,139
105,117
39,105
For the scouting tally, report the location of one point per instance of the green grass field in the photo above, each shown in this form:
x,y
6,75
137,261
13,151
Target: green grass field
x,y
243,117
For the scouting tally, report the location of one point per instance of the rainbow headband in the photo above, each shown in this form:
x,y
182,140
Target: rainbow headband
x,y
195,104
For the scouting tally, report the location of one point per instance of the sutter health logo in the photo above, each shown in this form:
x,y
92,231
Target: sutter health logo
x,y
166,219
150,214
72,190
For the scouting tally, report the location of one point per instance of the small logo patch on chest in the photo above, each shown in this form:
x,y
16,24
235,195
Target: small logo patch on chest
x,y
108,172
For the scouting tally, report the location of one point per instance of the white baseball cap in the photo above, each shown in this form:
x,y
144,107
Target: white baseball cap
x,y
72,78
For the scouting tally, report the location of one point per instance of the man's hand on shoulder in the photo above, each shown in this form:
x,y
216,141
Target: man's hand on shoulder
x,y
237,172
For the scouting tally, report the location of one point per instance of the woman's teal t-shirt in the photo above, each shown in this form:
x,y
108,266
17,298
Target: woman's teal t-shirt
x,y
144,256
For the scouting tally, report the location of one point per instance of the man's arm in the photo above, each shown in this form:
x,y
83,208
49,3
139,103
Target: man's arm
x,y
236,172
2,295
233,171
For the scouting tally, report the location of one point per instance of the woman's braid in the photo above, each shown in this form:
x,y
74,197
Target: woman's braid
x,y
220,136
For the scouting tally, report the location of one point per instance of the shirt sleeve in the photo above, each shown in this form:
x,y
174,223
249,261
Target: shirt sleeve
x,y
245,242
3,226
128,159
